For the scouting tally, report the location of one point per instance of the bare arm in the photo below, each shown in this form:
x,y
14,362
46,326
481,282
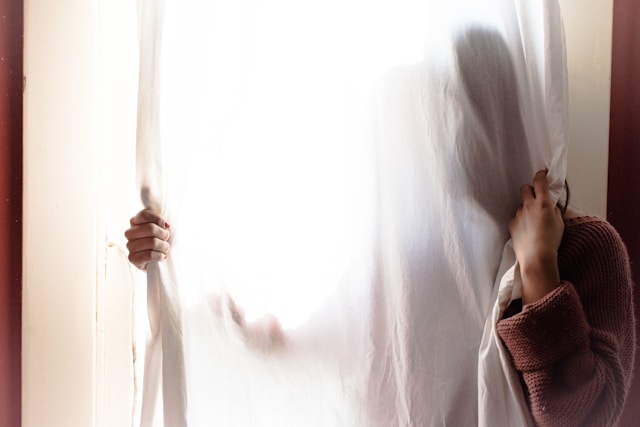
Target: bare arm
x,y
537,231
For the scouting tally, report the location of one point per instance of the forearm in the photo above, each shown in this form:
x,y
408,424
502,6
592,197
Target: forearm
x,y
540,276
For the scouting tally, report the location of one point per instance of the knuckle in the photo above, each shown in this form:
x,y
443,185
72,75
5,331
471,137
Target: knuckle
x,y
153,230
134,258
158,245
148,229
159,232
166,247
138,218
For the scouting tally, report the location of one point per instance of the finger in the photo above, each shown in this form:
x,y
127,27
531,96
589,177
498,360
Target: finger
x,y
527,193
540,185
147,216
147,230
148,244
141,259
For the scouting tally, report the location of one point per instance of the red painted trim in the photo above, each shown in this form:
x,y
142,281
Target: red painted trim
x,y
11,71
623,201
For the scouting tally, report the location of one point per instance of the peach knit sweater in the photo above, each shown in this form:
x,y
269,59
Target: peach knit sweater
x,y
575,347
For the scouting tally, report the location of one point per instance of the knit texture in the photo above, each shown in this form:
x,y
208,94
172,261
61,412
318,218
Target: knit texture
x,y
575,347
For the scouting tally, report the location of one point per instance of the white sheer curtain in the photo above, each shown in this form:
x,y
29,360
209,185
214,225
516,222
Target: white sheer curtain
x,y
338,176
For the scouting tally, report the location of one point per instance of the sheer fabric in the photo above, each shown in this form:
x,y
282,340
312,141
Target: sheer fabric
x,y
339,177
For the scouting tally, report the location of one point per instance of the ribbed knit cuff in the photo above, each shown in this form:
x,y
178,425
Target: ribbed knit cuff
x,y
546,330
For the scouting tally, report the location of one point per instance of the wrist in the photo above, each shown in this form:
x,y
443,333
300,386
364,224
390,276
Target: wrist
x,y
540,276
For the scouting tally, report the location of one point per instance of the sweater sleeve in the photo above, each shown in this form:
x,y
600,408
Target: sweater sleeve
x,y
575,347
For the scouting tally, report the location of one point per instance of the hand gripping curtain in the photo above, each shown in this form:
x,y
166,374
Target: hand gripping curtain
x,y
164,387
339,177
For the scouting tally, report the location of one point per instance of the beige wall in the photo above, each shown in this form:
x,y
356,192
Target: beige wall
x,y
60,212
588,32
76,363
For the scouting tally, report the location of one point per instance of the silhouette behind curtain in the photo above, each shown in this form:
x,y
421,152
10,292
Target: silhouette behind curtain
x,y
339,201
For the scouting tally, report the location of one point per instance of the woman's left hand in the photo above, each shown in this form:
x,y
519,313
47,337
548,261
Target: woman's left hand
x,y
536,231
147,239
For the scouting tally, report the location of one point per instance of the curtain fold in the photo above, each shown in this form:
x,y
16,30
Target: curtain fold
x,y
339,177
164,397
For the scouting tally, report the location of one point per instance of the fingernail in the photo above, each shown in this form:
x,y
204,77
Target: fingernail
x,y
167,225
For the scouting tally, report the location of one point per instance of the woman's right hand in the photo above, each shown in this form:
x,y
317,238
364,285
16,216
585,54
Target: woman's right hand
x,y
147,239
536,231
